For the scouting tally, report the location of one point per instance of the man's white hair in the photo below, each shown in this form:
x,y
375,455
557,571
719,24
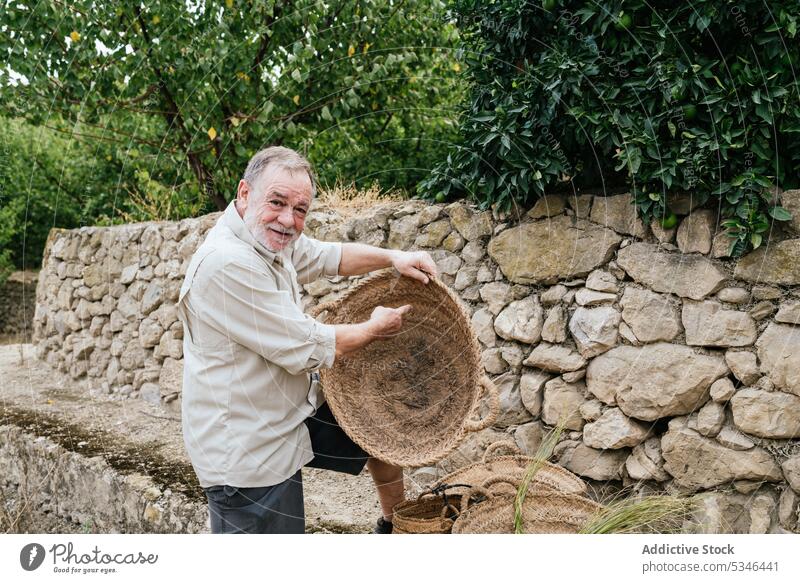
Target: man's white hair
x,y
280,157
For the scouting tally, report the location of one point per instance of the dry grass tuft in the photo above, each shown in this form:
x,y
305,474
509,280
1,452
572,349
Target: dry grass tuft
x,y
348,200
659,513
542,454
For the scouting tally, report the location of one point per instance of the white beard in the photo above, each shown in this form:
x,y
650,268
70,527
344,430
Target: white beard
x,y
259,232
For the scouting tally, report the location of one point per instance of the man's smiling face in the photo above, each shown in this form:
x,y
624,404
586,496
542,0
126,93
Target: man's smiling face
x,y
274,209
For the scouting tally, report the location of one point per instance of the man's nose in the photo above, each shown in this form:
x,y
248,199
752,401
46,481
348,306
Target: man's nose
x,y
286,218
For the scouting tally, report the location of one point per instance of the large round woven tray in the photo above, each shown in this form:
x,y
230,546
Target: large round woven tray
x,y
543,512
514,466
408,399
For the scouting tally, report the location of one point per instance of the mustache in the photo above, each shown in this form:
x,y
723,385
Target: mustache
x,y
281,230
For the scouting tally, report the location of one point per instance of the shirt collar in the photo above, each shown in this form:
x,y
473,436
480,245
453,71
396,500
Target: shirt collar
x,y
235,223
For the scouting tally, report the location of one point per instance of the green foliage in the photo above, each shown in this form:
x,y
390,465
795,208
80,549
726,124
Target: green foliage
x,y
6,266
187,92
50,180
659,97
150,200
6,218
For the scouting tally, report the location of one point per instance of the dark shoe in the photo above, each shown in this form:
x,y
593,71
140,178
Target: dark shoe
x,y
382,527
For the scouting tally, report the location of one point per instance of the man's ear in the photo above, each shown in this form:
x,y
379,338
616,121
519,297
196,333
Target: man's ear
x,y
242,196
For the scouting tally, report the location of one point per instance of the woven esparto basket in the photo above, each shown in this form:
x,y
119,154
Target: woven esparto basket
x,y
515,467
543,511
408,400
433,512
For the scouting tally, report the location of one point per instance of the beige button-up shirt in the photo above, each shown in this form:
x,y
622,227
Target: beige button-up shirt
x,y
248,350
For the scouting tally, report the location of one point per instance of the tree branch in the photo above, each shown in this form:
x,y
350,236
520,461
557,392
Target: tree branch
x,y
81,135
203,175
266,40
386,123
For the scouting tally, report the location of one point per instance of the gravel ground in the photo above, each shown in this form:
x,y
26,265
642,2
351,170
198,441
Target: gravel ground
x,y
334,502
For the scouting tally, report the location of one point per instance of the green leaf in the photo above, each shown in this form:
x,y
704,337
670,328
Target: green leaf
x,y
672,128
763,111
779,213
734,196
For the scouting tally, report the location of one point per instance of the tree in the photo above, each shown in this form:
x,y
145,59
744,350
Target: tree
x,y
48,180
187,92
659,97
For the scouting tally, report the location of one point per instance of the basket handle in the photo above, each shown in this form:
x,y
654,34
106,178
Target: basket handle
x,y
494,407
440,488
423,495
473,492
490,451
445,508
485,489
501,479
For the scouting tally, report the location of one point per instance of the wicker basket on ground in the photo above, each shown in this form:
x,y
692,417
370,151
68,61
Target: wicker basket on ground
x,y
433,512
408,400
514,466
543,511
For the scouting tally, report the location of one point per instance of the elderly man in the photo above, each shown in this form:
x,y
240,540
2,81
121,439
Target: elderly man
x,y
253,414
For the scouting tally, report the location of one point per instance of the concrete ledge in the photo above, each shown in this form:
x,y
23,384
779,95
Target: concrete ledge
x,y
119,466
89,491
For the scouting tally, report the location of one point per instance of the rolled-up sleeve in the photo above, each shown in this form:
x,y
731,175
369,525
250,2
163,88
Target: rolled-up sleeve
x,y
245,305
312,258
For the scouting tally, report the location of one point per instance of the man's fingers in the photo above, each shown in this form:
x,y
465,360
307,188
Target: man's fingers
x,y
425,270
429,271
403,310
416,273
429,267
420,275
416,265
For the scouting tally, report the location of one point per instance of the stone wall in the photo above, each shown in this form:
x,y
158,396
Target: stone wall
x,y
17,304
105,306
37,471
675,367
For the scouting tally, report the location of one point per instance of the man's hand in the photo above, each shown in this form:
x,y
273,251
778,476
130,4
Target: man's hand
x,y
383,322
387,321
418,265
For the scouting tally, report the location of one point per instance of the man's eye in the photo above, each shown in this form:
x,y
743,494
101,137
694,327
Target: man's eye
x,y
276,202
301,211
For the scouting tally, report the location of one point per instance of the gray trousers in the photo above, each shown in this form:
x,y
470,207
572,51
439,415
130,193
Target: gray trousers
x,y
274,509
279,509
